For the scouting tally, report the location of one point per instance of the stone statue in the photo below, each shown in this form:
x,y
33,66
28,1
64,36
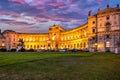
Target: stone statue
x,y
89,13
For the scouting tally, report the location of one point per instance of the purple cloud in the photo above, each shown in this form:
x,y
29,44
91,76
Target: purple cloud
x,y
38,15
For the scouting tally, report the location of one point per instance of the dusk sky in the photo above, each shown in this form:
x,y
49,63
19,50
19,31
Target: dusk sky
x,y
36,16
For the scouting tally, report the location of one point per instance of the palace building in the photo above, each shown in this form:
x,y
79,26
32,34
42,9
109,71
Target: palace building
x,y
101,33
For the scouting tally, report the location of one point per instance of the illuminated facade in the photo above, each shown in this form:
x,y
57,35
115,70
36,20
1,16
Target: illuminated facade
x,y
101,33
104,28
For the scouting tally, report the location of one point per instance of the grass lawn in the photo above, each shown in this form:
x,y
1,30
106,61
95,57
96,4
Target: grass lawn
x,y
59,66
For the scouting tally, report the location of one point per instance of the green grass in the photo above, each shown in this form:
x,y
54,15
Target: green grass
x,y
59,66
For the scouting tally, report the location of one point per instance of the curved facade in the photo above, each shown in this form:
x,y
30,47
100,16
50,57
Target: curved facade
x,y
101,33
56,38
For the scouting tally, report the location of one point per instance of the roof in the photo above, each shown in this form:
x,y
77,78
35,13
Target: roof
x,y
1,36
109,10
9,31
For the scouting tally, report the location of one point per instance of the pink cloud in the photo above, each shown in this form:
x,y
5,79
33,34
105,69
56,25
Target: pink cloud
x,y
59,1
100,1
73,4
40,7
15,23
36,2
54,5
18,1
62,7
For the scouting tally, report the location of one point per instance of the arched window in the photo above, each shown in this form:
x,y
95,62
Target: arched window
x,y
74,45
108,26
78,45
34,46
84,44
31,46
81,45
37,46
93,30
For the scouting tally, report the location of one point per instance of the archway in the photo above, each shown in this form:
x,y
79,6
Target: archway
x,y
108,26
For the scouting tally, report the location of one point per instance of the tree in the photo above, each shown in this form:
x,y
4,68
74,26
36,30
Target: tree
x,y
20,46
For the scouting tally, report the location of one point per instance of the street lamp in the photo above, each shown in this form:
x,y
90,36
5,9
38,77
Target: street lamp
x,y
96,47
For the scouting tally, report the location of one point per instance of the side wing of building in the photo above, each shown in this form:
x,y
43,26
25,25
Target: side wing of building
x,y
104,30
34,41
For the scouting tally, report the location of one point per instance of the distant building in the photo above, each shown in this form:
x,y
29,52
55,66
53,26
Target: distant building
x,y
101,33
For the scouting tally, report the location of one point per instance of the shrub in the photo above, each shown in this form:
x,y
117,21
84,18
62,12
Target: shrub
x,y
30,50
3,50
13,50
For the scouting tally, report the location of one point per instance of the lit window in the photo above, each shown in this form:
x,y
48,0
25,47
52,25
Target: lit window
x,y
3,44
27,46
107,44
53,38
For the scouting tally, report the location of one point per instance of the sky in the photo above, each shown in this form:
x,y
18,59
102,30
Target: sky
x,y
36,16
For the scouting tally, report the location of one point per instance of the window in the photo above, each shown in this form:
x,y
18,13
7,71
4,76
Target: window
x,y
93,22
84,44
115,22
14,44
34,46
31,46
74,45
3,44
108,26
81,45
37,46
100,37
114,17
27,46
100,24
93,30
50,28
93,38
107,36
107,18
108,44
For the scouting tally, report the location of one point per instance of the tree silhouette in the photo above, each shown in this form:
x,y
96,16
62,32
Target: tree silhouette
x,y
21,45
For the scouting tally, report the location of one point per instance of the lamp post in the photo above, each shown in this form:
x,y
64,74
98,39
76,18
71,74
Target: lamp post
x,y
96,35
96,47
